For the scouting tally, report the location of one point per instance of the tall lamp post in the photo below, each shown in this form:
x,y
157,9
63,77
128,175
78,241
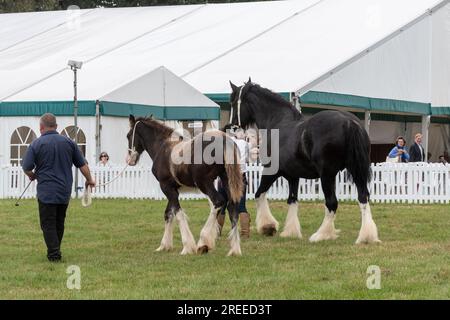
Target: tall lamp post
x,y
75,65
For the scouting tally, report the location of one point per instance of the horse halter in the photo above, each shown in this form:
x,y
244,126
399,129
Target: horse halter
x,y
133,148
238,108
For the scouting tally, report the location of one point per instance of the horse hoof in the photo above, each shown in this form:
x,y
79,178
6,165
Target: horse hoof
x,y
202,250
269,230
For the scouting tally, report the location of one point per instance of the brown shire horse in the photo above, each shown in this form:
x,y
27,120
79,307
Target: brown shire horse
x,y
176,166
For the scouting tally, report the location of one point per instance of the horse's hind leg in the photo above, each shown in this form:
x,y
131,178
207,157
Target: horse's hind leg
x,y
187,238
235,240
265,222
327,230
210,230
292,224
368,232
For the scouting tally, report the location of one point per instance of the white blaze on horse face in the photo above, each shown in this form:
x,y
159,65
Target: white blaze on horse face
x,y
263,215
369,231
292,225
327,230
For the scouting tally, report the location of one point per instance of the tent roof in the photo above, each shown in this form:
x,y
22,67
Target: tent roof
x,y
287,46
162,93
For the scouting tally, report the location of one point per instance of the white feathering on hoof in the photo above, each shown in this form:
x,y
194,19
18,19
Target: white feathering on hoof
x,y
263,215
292,225
368,232
326,231
167,240
235,242
187,238
210,231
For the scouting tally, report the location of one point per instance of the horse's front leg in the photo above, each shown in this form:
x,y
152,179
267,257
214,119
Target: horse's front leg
x,y
265,222
189,246
292,224
167,240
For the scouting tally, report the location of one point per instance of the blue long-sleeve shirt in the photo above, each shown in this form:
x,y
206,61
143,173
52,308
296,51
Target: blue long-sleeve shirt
x,y
394,153
51,156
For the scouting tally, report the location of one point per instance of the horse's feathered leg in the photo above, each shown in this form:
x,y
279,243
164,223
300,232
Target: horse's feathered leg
x,y
327,231
167,240
292,225
265,222
368,232
189,246
235,240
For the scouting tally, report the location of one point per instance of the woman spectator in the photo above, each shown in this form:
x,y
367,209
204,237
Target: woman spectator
x,y
103,160
399,151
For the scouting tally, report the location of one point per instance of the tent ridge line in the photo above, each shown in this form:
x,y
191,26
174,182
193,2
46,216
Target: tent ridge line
x,y
44,31
103,53
367,50
251,39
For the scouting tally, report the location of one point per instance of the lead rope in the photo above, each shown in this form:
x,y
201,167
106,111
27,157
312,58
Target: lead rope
x,y
86,199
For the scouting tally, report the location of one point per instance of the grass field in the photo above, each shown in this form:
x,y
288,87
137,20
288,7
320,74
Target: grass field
x,y
113,243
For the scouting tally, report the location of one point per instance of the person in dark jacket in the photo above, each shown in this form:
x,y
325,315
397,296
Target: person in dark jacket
x,y
416,151
49,159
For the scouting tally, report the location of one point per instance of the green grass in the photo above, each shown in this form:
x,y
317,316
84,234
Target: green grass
x,y
113,243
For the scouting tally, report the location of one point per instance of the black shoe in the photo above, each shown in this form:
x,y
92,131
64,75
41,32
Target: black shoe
x,y
54,259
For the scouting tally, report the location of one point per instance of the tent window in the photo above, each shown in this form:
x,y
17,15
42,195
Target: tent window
x,y
81,138
20,140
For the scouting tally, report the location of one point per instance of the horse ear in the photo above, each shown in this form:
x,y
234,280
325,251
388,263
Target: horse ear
x,y
246,87
233,86
249,80
132,120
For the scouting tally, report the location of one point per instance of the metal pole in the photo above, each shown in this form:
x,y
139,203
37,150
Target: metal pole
x,y
75,113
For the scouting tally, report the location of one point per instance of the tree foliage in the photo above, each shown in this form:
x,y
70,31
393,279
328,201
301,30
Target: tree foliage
x,y
7,6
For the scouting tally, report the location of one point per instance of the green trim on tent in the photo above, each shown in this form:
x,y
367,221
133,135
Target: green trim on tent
x,y
38,108
437,111
225,97
366,103
108,108
444,120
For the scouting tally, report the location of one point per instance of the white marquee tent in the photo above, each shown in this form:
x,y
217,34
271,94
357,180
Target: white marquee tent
x,y
370,55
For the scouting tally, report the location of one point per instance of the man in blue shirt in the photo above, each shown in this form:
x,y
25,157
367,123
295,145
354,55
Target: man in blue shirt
x,y
51,157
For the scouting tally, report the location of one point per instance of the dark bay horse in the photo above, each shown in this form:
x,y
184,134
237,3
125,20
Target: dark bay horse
x,y
178,163
319,147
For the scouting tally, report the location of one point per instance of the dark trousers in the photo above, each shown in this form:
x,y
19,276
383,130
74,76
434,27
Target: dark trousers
x,y
223,192
52,217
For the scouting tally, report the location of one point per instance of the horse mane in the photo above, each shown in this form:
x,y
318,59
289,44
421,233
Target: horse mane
x,y
158,125
274,99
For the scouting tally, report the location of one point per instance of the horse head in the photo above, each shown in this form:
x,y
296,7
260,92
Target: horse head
x,y
241,113
135,143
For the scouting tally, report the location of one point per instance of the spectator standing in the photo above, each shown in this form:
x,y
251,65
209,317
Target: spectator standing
x,y
399,151
416,151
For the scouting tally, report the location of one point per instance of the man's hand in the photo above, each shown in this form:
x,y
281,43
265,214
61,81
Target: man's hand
x,y
90,183
31,175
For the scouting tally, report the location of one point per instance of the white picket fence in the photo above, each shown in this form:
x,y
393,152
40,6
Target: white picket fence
x,y
392,182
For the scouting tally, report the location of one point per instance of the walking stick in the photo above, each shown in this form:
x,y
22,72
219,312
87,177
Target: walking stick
x,y
17,202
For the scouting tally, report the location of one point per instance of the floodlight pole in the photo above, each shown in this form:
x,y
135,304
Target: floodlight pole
x,y
75,121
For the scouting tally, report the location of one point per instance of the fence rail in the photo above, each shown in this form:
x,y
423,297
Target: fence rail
x,y
391,182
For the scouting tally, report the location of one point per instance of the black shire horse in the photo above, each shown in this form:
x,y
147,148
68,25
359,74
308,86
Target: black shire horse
x,y
179,162
319,147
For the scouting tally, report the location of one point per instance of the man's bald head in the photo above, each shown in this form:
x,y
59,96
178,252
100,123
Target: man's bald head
x,y
48,122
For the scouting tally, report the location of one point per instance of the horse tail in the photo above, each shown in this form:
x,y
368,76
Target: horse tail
x,y
233,171
358,155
